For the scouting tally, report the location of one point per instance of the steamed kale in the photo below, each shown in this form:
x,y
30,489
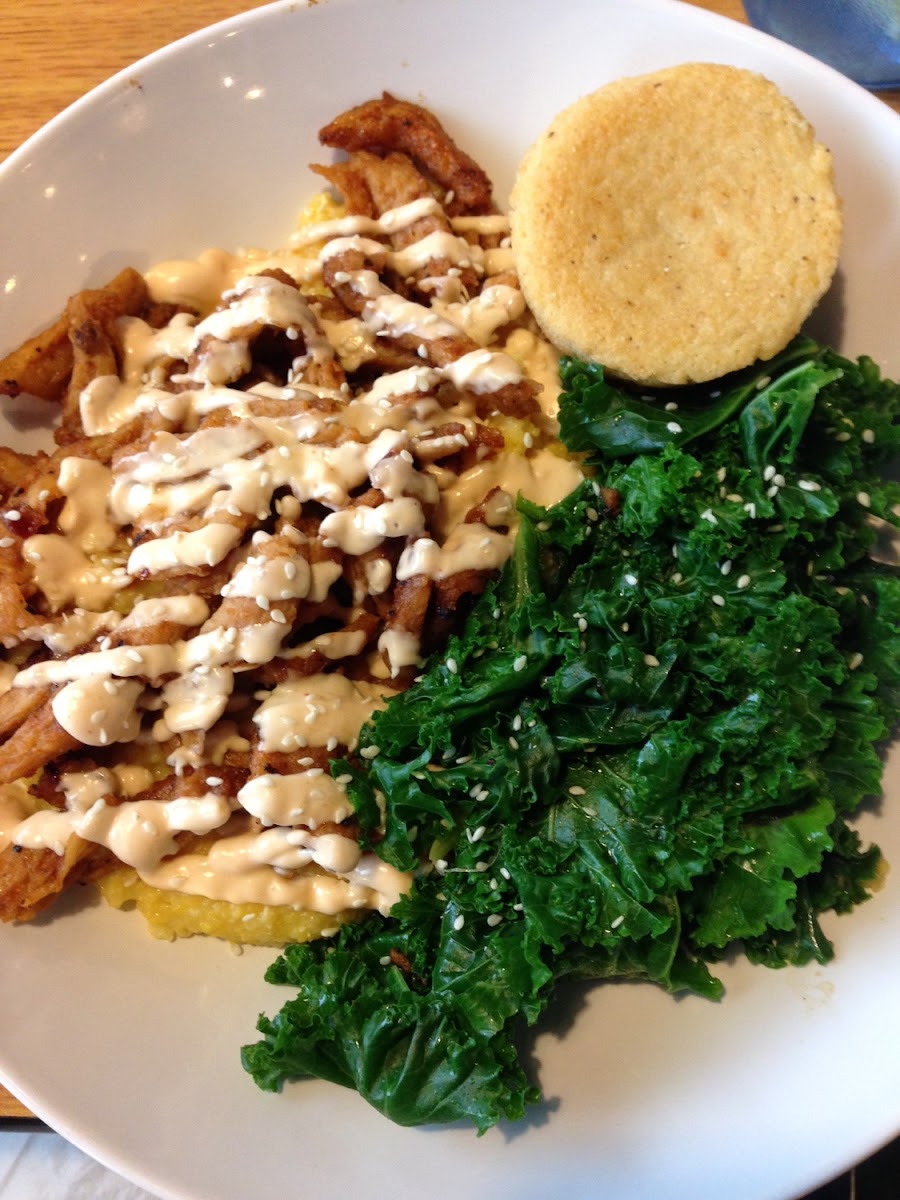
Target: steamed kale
x,y
643,748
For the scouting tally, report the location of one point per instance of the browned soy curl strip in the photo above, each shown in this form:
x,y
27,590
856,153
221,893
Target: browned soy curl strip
x,y
38,740
388,124
30,880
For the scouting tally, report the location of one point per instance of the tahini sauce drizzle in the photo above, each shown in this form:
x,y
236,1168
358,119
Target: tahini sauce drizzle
x,y
214,477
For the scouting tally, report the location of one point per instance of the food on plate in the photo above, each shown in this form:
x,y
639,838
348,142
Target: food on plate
x,y
499,685
676,226
278,484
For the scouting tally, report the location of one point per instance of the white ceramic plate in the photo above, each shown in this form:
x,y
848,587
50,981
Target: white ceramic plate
x,y
130,1047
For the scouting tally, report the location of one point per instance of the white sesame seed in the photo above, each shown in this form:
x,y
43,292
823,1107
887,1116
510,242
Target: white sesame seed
x,y
718,600
720,474
520,663
809,485
769,473
385,960
631,580
617,922
12,514
868,436
494,920
735,498
843,436
477,834
517,722
678,577
528,441
505,873
671,406
370,751
726,567
6,542
864,499
518,907
709,515
592,514
651,660
452,666
213,781
750,510
278,617
575,790
772,492
582,625
625,626
744,581
459,922
855,662
673,427
513,744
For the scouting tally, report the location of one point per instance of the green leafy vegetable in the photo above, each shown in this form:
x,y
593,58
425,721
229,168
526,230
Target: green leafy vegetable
x,y
656,726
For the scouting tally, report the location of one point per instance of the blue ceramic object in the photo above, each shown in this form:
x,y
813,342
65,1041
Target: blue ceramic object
x,y
861,38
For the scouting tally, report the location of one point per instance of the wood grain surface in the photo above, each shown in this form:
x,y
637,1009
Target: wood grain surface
x,y
53,52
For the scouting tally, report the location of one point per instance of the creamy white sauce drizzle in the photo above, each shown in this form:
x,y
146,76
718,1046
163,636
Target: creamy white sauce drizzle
x,y
192,490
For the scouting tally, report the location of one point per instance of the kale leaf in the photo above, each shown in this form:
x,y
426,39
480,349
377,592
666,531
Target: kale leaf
x,y
655,726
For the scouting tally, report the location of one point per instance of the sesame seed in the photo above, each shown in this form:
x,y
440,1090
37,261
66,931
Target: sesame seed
x,y
719,601
809,485
213,781
769,473
735,498
678,577
518,907
385,960
477,834
651,660
625,626
726,567
520,663
370,751
452,666
517,722
575,790
671,406
868,436
459,922
582,624
631,580
528,441
763,383
505,873
720,474
494,920
592,514
12,514
772,492
709,515
6,542
855,661
262,601
513,744
343,779
673,427
864,499
278,617
617,922
843,436
750,510
744,581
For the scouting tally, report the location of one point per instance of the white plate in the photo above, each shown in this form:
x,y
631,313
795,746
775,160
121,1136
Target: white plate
x,y
130,1047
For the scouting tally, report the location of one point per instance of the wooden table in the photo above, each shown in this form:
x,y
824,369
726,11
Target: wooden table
x,y
54,52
